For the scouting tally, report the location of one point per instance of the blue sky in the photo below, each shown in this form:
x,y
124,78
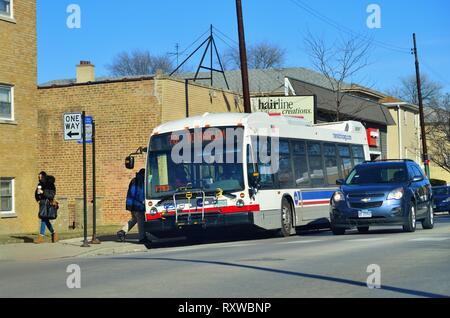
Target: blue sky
x,y
109,27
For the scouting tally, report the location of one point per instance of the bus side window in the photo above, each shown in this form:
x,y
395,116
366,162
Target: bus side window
x,y
316,169
266,174
285,176
301,174
358,155
331,163
345,160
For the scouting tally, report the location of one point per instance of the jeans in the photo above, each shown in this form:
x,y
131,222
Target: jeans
x,y
139,219
46,223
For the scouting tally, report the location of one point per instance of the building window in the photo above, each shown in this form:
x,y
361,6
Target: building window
x,y
6,102
6,195
6,8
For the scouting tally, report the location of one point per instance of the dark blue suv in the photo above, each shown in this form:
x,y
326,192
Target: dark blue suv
x,y
378,193
441,198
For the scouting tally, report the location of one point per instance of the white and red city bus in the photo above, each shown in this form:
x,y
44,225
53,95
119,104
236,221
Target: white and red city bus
x,y
209,171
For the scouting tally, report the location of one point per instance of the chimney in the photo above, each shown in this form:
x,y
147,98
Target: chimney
x,y
85,72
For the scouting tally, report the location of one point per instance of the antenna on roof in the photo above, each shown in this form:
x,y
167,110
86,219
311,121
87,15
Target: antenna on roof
x,y
211,47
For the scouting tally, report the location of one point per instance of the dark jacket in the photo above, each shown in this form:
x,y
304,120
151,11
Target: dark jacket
x,y
49,189
136,196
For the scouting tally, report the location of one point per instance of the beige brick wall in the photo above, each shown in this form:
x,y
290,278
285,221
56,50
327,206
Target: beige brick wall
x,y
201,99
125,113
18,140
410,136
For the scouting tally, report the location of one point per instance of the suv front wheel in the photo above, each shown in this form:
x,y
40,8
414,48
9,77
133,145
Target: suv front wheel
x,y
428,222
410,225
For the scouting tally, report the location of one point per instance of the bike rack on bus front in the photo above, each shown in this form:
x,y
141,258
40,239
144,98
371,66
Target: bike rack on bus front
x,y
188,195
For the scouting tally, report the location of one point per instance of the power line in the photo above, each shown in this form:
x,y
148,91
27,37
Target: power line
x,y
347,30
226,36
231,46
262,71
436,73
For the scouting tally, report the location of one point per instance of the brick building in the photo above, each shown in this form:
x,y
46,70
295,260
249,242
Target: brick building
x,y
18,116
125,111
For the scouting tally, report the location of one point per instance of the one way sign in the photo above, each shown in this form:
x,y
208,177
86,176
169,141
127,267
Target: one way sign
x,y
73,127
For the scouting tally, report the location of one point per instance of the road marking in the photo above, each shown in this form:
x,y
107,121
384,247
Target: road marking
x,y
301,242
374,239
430,239
240,245
200,247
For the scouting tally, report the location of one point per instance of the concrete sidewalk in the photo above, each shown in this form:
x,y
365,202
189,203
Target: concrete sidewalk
x,y
65,249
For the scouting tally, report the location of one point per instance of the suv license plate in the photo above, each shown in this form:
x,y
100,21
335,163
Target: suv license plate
x,y
364,214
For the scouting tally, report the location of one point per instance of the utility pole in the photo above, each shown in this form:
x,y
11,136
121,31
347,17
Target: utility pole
x,y
425,158
243,54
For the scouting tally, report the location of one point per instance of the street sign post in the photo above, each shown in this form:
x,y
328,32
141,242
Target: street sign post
x,y
73,127
83,121
94,240
79,127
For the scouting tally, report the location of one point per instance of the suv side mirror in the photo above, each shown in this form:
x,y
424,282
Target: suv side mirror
x,y
340,181
417,179
129,162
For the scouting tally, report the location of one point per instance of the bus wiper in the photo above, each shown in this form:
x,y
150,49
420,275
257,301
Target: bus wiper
x,y
165,198
224,193
229,194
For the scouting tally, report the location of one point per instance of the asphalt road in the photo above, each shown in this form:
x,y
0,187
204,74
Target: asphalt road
x,y
311,264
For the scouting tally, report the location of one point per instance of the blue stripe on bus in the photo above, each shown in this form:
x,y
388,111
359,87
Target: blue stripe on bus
x,y
305,196
319,195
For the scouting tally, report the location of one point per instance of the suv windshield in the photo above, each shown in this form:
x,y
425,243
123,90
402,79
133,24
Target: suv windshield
x,y
377,173
165,176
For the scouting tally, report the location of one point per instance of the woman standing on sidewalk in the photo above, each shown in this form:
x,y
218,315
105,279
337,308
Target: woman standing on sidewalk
x,y
45,193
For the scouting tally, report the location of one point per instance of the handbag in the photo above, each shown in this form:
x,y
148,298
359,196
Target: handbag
x,y
48,210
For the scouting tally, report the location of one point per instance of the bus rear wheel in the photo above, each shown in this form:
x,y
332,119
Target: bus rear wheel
x,y
286,218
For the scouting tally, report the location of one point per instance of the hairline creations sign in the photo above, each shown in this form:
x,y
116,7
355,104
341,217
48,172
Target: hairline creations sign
x,y
294,106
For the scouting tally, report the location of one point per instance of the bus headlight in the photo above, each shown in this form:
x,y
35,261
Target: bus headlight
x,y
240,203
338,196
153,211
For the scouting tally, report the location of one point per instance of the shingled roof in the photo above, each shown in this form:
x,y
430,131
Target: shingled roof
x,y
353,107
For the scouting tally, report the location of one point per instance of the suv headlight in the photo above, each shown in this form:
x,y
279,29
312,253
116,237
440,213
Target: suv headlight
x,y
396,194
338,196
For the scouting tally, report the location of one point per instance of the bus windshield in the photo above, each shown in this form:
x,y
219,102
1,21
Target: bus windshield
x,y
167,176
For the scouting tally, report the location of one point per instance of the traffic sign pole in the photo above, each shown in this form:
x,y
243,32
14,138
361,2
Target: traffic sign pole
x,y
95,240
85,241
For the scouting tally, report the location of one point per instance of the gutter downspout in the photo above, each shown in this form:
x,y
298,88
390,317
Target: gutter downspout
x,y
399,132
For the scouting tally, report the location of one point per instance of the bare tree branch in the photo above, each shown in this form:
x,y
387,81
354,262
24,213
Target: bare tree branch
x,y
263,55
338,62
407,90
438,131
139,63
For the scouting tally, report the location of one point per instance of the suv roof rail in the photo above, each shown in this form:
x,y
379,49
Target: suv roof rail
x,y
386,160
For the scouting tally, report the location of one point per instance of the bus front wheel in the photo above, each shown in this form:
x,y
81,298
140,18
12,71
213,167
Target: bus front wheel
x,y
286,218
